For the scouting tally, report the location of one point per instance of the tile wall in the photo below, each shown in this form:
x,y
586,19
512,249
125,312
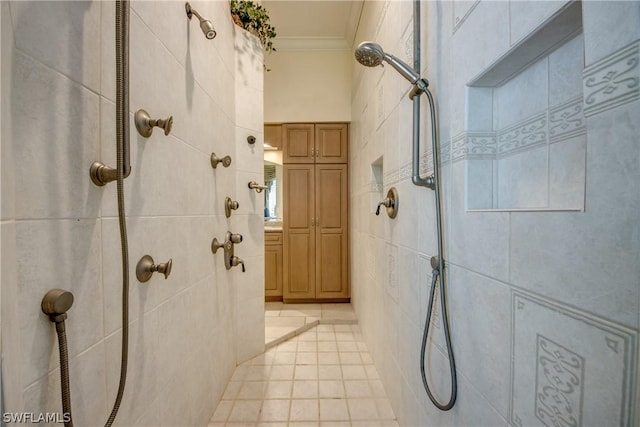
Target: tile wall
x,y
59,230
521,285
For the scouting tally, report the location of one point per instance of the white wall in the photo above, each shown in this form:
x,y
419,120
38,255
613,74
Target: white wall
x,y
312,85
570,278
59,230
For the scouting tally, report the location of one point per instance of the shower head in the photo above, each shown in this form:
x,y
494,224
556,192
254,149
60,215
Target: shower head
x,y
205,25
371,54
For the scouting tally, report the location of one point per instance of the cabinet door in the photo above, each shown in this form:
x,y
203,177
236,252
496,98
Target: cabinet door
x,y
273,270
332,142
273,136
332,249
298,143
299,238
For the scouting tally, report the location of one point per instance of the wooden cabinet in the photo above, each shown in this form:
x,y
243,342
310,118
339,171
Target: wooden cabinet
x,y
299,237
304,143
315,232
273,265
273,136
331,231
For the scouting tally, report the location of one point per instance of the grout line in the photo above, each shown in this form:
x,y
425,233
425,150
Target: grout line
x,y
306,327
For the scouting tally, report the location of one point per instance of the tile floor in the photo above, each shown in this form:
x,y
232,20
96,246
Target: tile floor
x,y
283,321
322,377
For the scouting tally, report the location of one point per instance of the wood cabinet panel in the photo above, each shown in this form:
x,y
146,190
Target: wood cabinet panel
x,y
331,231
273,270
273,267
273,136
299,237
331,142
298,143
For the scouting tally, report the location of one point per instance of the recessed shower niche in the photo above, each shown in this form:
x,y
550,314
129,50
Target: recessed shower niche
x,y
525,139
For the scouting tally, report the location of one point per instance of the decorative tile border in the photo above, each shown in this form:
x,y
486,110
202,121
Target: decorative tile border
x,y
559,375
459,147
566,121
482,145
612,81
445,152
525,135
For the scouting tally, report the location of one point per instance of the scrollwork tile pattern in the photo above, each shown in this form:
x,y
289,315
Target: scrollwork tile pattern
x,y
525,135
566,121
584,350
559,384
612,81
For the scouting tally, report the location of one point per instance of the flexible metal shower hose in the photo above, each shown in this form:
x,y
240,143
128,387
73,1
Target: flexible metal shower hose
x,y
122,138
64,373
439,271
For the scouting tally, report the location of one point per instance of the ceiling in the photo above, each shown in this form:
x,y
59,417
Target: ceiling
x,y
314,24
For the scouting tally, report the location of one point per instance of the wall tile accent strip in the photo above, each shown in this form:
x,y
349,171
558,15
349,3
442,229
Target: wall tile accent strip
x,y
524,135
566,121
612,81
482,145
559,384
404,172
585,350
459,147
445,152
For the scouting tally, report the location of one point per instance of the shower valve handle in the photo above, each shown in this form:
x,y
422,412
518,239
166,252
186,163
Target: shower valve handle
x,y
386,203
235,238
390,202
235,261
145,124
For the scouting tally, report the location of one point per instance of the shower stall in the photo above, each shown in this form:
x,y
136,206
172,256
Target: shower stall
x,y
60,230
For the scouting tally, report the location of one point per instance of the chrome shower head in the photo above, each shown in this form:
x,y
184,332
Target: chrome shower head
x,y
371,54
205,25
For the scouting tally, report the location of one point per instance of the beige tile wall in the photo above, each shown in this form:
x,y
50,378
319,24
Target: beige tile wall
x,y
59,230
583,265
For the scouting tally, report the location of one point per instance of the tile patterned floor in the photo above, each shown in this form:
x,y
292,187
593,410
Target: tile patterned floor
x,y
283,321
323,377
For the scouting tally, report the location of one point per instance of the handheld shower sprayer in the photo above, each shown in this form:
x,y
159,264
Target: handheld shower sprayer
x,y
205,25
371,54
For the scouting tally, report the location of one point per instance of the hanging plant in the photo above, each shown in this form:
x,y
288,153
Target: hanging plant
x,y
255,19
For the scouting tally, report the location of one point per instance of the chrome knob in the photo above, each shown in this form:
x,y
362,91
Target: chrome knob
x,y
145,124
230,205
235,238
146,267
235,261
226,161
